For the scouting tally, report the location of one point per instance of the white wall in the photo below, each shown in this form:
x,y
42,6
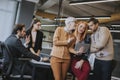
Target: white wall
x,y
7,17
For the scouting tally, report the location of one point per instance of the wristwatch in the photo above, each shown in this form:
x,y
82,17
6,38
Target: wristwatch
x,y
101,54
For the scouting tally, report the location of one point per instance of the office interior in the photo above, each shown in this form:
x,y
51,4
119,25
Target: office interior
x,y
52,14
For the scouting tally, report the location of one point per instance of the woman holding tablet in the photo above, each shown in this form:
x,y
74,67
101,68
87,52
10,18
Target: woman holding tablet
x,y
79,63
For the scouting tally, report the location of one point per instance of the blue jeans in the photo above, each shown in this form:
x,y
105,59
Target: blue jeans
x,y
102,69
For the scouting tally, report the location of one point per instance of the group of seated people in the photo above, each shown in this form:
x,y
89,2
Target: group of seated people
x,y
66,52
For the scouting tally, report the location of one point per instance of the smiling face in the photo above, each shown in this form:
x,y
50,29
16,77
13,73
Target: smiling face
x,y
70,24
81,28
37,26
72,27
93,26
21,33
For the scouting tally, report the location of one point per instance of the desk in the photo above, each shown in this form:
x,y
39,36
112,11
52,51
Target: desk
x,y
44,65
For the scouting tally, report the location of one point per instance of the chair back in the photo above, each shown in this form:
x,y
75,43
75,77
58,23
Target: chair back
x,y
1,57
7,61
9,64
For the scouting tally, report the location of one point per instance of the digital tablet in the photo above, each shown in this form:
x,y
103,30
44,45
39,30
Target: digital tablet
x,y
79,45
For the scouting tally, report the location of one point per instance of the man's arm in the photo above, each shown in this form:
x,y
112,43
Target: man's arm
x,y
93,49
24,51
103,39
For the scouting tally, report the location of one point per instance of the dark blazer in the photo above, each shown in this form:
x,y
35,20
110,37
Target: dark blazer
x,y
17,49
38,42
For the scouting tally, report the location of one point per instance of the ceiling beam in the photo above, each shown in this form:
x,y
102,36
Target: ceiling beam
x,y
47,4
46,15
114,17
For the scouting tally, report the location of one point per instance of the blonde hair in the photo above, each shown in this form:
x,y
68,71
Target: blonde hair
x,y
69,19
84,33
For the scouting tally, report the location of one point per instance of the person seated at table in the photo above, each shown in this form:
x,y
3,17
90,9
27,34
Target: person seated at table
x,y
35,45
17,49
36,36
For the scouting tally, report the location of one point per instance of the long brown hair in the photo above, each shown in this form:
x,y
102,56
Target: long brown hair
x,y
35,20
84,33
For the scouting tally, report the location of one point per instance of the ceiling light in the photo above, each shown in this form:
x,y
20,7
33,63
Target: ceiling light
x,y
116,31
89,2
117,40
35,1
86,18
51,25
115,25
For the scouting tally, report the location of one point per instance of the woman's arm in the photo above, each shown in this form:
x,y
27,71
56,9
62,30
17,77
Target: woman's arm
x,y
32,50
56,37
71,48
79,64
38,52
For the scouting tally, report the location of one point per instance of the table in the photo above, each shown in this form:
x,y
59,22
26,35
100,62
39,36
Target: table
x,y
44,65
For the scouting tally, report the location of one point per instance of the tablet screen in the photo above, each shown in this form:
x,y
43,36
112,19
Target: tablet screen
x,y
82,45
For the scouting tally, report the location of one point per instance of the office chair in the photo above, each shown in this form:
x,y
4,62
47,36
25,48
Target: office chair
x,y
1,58
8,68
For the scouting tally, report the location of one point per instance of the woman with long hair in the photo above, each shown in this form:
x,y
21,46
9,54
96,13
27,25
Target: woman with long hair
x,y
79,62
36,36
35,46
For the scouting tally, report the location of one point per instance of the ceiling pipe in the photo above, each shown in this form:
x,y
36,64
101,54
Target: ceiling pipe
x,y
89,2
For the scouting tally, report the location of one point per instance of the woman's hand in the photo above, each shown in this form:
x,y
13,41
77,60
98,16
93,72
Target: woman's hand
x,y
45,59
27,39
80,51
79,64
38,53
70,40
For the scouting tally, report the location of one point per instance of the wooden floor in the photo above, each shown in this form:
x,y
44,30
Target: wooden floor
x,y
113,78
70,77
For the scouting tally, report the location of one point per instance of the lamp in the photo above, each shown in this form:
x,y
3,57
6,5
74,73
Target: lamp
x,y
89,2
86,17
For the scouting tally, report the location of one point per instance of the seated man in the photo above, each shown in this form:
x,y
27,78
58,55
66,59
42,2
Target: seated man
x,y
17,49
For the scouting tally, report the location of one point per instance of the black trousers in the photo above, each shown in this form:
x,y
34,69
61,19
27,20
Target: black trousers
x,y
102,70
